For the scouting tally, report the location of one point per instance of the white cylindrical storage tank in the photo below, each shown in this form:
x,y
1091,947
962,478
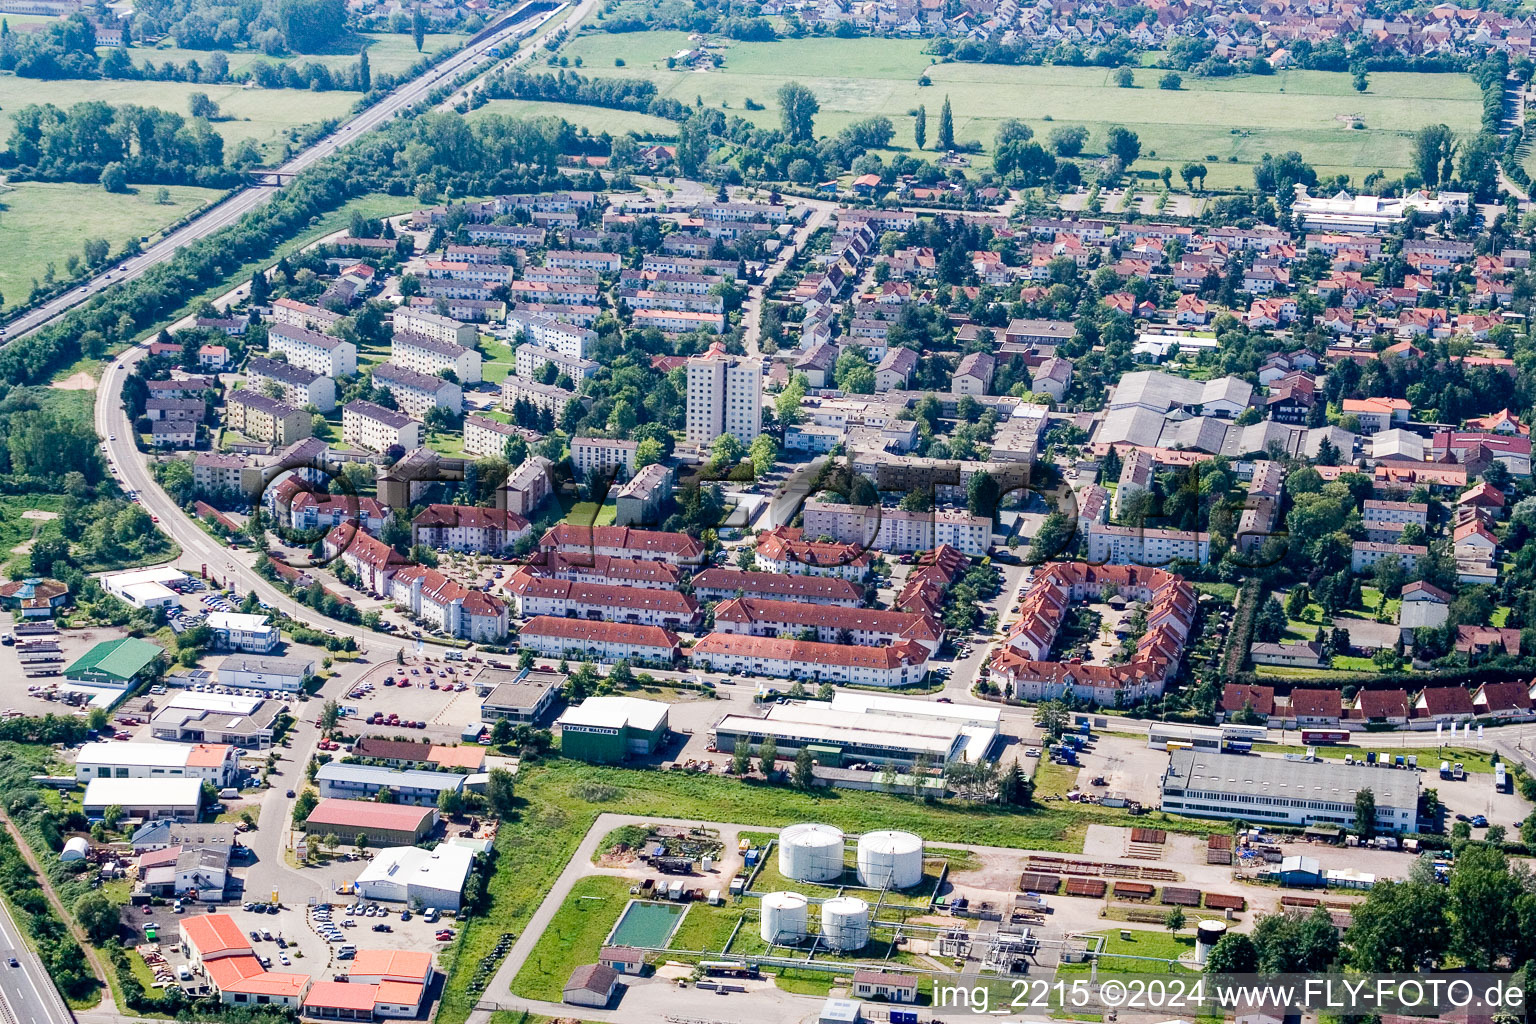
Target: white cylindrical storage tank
x,y
845,923
892,859
1207,934
783,918
811,853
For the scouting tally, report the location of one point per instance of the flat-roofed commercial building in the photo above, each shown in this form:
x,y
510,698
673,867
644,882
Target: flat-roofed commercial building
x,y
238,632
1271,790
363,782
867,727
214,762
190,717
250,672
523,697
607,730
144,799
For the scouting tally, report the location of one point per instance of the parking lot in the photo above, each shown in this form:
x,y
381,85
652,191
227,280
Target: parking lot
x,y
45,694
436,694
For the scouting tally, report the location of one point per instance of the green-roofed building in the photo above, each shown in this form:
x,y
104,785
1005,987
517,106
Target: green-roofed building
x,y
116,663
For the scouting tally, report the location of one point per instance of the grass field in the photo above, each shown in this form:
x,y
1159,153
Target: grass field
x,y
1472,760
559,801
595,119
1210,120
387,52
263,115
573,937
40,222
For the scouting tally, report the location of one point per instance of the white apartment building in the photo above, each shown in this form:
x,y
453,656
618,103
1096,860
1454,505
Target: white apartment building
x,y
898,531
531,358
302,314
601,262
318,353
410,320
212,762
547,332
448,605
603,455
299,386
415,392
677,321
898,664
214,471
1405,512
1133,545
543,396
488,438
377,429
725,396
1364,554
431,356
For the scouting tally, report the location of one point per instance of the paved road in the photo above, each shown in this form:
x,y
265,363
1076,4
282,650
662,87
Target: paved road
x,y
234,566
471,58
27,995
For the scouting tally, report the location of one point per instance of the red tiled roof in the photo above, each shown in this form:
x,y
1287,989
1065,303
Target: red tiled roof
x,y
1235,696
366,813
342,995
470,517
799,615
215,935
646,542
903,652
586,630
1446,700
1383,703
1316,703
828,588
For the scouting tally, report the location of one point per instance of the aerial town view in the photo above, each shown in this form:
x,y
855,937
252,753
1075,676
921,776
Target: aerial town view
x,y
787,512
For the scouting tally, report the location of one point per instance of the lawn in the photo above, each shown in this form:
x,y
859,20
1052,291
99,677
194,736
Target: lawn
x,y
1142,943
573,937
595,119
264,115
1226,123
42,222
589,513
559,801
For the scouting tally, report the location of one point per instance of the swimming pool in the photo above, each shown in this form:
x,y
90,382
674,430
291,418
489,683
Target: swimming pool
x,y
646,924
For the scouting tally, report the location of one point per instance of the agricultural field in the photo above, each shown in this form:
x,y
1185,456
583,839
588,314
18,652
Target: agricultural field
x,y
1226,123
42,222
387,52
263,115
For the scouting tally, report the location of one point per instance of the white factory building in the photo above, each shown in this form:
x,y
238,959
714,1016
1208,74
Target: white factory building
x,y
146,588
144,799
211,762
861,727
248,672
421,878
1281,791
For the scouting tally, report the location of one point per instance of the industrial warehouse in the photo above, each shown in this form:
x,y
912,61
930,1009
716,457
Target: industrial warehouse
x,y
1206,784
863,727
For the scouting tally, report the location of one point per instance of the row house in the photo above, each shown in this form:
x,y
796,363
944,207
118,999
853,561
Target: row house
x,y
448,605
830,624
537,595
486,531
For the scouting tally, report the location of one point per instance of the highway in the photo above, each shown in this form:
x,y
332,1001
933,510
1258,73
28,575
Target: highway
x,y
470,58
27,995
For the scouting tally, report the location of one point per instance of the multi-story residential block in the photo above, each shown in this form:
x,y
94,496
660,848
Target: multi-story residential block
x,y
446,604
1136,471
1365,554
678,321
468,528
606,455
607,641
543,595
529,485
318,353
622,542
541,396
433,357
416,392
601,262
530,360
1134,545
725,396
974,375
299,386
488,438
214,471
301,314
758,616
425,322
725,584
898,664
547,332
639,501
377,429
896,530
265,419
785,551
